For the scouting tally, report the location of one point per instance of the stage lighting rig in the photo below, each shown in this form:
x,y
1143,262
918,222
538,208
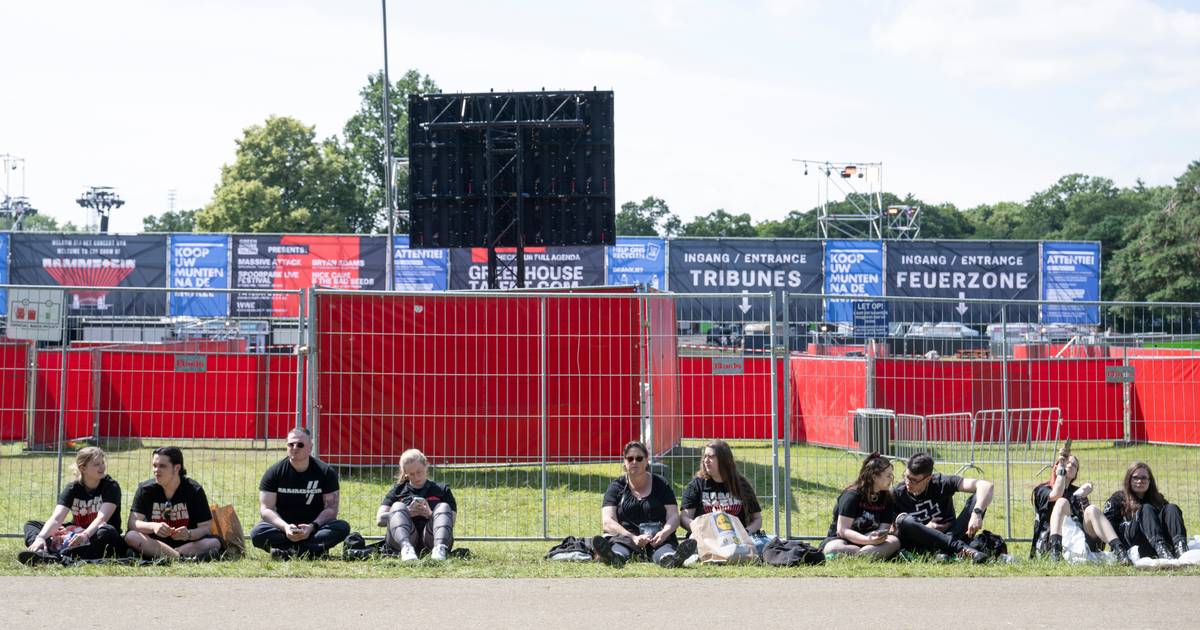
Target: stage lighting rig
x,y
102,199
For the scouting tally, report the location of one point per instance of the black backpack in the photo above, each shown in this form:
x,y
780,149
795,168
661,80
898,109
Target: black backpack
x,y
991,544
790,553
571,549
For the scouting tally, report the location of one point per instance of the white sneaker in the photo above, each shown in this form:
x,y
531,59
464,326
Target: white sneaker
x,y
407,553
439,552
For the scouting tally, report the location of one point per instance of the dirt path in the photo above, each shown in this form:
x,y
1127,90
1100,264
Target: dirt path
x,y
1160,602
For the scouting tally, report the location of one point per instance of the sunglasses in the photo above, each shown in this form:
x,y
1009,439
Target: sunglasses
x,y
635,458
296,445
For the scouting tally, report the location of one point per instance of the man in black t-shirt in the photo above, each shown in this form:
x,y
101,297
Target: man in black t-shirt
x,y
170,515
298,501
925,503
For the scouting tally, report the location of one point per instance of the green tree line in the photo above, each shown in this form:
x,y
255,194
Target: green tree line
x,y
285,179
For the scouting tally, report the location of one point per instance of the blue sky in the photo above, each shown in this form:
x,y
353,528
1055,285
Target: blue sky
x,y
964,102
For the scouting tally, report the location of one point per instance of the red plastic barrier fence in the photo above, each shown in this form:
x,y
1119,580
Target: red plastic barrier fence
x,y
13,356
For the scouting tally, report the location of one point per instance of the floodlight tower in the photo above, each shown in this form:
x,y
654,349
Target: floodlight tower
x,y
16,208
102,199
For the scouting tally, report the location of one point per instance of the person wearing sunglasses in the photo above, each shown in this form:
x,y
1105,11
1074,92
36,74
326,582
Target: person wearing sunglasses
x,y
926,522
717,487
298,502
1142,517
639,515
170,517
863,515
93,501
419,513
1059,498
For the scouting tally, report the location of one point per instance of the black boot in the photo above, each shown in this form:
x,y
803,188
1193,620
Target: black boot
x,y
1119,551
1181,547
1162,551
1054,547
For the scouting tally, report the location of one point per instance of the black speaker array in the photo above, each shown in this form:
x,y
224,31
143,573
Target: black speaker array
x,y
566,168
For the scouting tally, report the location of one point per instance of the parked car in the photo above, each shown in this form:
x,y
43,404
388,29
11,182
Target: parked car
x,y
950,330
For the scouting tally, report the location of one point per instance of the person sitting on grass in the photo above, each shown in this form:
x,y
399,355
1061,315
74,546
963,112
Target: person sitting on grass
x,y
717,487
639,515
1143,518
419,513
170,517
298,502
93,501
926,522
863,515
1059,498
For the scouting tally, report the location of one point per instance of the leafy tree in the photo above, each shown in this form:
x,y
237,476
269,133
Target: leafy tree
x,y
941,220
284,180
171,221
365,140
1162,253
995,221
719,223
651,217
39,223
797,224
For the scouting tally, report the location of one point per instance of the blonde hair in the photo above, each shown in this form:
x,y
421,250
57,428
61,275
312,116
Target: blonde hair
x,y
411,456
85,456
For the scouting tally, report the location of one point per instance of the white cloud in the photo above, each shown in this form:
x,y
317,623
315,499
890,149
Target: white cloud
x,y
1031,43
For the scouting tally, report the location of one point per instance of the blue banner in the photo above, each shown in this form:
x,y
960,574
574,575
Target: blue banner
x,y
1071,273
853,268
199,261
640,260
999,271
3,274
418,269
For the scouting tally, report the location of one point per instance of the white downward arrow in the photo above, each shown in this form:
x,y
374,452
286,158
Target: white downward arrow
x,y
745,306
962,307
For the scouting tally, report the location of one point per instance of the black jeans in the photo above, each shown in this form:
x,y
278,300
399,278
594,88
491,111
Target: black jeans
x,y
1151,525
919,537
266,536
107,541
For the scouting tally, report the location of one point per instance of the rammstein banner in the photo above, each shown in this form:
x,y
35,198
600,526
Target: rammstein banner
x,y
98,261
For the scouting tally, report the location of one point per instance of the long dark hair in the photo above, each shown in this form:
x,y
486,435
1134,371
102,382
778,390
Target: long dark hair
x,y
873,465
173,454
1151,496
727,467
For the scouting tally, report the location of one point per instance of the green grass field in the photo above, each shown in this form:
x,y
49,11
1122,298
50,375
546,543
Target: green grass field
x,y
506,502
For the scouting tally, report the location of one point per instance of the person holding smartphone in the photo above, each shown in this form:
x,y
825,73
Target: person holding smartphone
x,y
1057,500
170,516
639,515
926,522
863,515
419,513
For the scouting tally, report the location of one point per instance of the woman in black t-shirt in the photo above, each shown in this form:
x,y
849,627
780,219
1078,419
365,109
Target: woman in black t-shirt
x,y
639,515
93,501
717,487
419,513
862,518
1059,498
170,516
1142,517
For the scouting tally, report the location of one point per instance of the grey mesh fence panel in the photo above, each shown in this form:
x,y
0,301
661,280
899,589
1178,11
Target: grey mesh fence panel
x,y
222,389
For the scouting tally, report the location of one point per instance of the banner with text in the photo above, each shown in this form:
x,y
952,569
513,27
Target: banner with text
x,y
3,274
964,270
744,265
640,260
852,268
98,261
199,261
545,267
418,269
1070,272
302,261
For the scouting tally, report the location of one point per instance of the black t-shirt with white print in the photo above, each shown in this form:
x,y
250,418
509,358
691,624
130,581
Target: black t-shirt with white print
x,y
632,511
85,504
299,496
935,504
433,492
705,495
188,507
867,516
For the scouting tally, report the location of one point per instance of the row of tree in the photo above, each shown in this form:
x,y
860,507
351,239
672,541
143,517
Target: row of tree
x,y
285,179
